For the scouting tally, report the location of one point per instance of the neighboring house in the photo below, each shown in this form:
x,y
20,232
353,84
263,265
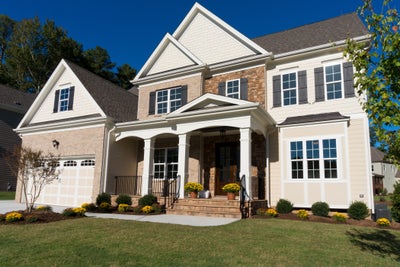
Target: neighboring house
x,y
383,170
215,106
13,105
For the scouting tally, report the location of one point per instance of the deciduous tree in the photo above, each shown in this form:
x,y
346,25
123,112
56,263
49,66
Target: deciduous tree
x,y
378,72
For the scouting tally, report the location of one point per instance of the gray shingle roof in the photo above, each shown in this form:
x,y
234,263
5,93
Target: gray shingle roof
x,y
319,33
313,118
15,100
115,101
377,155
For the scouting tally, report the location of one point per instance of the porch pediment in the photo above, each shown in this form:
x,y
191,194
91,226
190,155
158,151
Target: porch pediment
x,y
210,102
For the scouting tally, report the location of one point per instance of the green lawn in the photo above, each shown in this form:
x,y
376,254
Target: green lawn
x,y
252,242
7,195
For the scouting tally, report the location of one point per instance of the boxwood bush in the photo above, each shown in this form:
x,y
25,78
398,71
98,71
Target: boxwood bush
x,y
395,210
103,198
358,210
320,209
147,200
124,199
284,206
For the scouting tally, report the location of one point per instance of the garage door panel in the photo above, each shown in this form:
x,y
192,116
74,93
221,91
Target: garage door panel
x,y
74,186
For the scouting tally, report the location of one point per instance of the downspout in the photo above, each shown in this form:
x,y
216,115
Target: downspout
x,y
105,161
267,171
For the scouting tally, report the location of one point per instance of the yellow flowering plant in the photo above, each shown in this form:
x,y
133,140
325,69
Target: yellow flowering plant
x,y
123,207
79,211
383,222
231,188
147,209
271,212
339,217
302,214
13,217
193,187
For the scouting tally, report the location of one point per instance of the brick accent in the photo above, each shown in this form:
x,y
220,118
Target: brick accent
x,y
256,83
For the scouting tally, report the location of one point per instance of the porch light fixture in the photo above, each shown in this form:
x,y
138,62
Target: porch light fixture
x,y
55,143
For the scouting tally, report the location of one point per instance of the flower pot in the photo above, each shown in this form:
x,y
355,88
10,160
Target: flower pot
x,y
193,194
231,196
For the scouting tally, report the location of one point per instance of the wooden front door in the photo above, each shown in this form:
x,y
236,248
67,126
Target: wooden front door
x,y
227,165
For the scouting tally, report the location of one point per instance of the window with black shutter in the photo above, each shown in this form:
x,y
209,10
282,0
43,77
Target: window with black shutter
x,y
167,100
64,99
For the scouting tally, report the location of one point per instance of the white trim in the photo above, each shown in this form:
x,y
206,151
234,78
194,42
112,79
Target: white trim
x,y
170,80
238,70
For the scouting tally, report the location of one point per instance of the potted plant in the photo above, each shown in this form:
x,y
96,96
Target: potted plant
x,y
231,189
193,188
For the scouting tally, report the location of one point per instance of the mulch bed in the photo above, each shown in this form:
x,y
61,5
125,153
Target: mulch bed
x,y
365,223
41,216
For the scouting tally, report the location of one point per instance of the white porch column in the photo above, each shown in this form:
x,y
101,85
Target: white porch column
x,y
147,165
183,159
245,157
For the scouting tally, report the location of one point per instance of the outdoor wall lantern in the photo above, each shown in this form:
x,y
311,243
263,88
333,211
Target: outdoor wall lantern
x,y
56,143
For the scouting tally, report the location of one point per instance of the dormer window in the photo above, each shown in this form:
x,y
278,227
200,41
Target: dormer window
x,y
64,99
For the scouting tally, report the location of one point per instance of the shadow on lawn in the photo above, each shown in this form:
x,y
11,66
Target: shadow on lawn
x,y
378,242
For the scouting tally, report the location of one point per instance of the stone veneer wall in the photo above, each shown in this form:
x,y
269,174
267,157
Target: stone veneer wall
x,y
256,83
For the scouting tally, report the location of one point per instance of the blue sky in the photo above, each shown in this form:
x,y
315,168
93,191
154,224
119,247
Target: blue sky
x,y
130,30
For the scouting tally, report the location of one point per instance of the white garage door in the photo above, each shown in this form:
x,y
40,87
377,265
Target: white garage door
x,y
74,185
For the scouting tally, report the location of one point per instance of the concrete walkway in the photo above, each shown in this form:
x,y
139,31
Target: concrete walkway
x,y
11,205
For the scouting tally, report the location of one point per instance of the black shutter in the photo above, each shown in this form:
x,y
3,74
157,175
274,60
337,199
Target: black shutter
x,y
184,95
319,84
243,89
221,88
348,79
276,91
152,103
56,99
71,97
302,76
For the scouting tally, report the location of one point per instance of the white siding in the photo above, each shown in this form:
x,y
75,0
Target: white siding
x,y
345,106
210,43
171,58
83,102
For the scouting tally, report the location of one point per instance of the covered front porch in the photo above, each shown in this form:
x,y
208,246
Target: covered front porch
x,y
213,140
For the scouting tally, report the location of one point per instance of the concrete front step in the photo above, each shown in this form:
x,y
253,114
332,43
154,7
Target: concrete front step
x,y
215,207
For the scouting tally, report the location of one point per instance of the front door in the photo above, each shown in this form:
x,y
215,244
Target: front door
x,y
227,165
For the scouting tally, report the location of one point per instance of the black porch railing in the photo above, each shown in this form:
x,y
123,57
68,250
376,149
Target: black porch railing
x,y
244,199
166,189
128,185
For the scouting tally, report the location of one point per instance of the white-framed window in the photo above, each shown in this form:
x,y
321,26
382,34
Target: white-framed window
x,y
233,88
334,81
289,88
63,100
88,162
318,160
168,100
70,163
165,163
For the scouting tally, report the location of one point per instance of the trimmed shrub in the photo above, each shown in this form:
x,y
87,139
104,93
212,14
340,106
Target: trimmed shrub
x,y
103,198
105,207
31,218
44,208
284,206
147,200
320,209
124,199
89,206
358,210
156,208
395,210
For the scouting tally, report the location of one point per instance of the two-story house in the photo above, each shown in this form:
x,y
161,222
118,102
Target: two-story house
x,y
383,172
214,106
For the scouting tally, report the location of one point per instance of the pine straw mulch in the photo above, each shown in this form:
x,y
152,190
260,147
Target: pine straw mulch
x,y
40,216
318,219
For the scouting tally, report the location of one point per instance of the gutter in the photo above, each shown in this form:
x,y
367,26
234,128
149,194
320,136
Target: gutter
x,y
106,151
